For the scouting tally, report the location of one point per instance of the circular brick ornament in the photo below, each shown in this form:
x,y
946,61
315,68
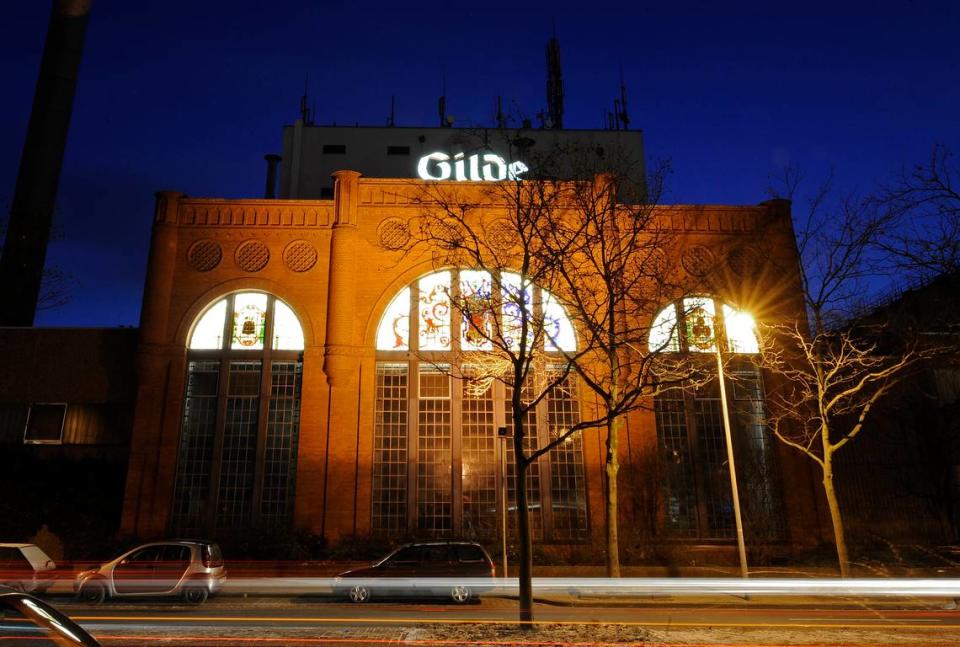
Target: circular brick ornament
x,y
744,261
501,235
697,260
393,234
252,256
204,255
300,256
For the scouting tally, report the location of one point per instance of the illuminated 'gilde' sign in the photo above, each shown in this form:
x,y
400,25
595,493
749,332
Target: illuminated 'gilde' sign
x,y
437,166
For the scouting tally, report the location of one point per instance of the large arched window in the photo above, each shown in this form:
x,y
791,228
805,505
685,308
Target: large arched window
x,y
693,457
438,466
236,463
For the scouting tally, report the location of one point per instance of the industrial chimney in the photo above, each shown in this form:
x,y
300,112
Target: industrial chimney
x,y
28,229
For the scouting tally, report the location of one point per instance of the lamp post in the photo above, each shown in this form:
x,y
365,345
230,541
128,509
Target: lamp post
x,y
734,491
503,436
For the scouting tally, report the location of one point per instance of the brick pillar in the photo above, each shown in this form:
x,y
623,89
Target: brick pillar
x,y
156,355
342,361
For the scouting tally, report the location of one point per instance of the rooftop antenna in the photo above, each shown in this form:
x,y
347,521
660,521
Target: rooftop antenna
x,y
616,114
624,117
306,114
442,104
554,83
391,122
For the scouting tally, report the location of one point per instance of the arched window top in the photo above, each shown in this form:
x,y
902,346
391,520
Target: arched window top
x,y
247,324
699,318
428,301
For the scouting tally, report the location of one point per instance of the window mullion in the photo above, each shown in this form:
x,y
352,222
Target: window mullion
x,y
264,409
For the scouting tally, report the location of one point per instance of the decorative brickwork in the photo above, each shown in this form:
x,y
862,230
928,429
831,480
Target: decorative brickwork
x,y
252,256
501,235
204,255
393,234
697,260
300,256
744,261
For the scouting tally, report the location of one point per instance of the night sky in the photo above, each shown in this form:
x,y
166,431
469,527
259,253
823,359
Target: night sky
x,y
190,95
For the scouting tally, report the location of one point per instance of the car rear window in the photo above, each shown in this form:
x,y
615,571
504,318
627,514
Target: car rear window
x,y
212,557
12,557
467,553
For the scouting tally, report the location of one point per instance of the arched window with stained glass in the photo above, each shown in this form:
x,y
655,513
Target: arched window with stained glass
x,y
237,455
438,466
696,485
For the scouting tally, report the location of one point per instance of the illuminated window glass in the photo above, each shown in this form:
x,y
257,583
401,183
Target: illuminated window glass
x,y
287,333
393,332
249,320
436,465
663,331
434,311
208,333
699,314
557,327
513,304
476,297
231,483
741,331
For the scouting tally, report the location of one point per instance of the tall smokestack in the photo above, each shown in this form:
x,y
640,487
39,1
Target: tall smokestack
x,y
28,230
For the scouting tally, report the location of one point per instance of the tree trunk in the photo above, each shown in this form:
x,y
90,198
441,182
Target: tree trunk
x,y
838,535
523,524
612,468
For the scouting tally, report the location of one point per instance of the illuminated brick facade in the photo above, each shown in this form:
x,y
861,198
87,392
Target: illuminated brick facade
x,y
331,262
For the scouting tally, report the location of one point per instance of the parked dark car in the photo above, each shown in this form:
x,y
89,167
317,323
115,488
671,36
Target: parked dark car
x,y
190,569
30,622
25,567
454,569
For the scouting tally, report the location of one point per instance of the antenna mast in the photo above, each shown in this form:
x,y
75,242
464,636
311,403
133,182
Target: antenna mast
x,y
306,115
624,117
554,84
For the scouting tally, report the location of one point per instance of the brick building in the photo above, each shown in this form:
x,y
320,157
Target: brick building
x,y
288,374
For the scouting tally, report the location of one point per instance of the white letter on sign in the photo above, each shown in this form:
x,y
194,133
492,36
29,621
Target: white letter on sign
x,y
442,165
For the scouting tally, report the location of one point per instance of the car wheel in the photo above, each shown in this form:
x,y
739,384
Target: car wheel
x,y
460,594
196,594
93,592
358,593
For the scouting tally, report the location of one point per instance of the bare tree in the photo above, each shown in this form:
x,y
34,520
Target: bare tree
x,y
56,285
497,231
833,371
926,204
609,247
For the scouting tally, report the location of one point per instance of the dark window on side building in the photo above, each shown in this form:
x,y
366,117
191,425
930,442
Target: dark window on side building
x,y
398,150
45,423
334,149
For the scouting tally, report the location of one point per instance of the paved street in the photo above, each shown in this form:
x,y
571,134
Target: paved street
x,y
318,620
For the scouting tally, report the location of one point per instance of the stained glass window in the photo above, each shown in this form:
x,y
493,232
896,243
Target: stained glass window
x,y
699,314
476,298
663,331
249,320
434,311
250,477
480,310
557,327
287,333
393,333
208,333
515,301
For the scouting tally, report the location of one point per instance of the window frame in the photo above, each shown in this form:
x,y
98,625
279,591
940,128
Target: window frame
x,y
41,441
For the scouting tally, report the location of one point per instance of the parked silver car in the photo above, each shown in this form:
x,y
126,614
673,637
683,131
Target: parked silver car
x,y
189,569
25,567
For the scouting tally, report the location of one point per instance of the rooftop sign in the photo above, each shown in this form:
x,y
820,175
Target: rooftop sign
x,y
437,166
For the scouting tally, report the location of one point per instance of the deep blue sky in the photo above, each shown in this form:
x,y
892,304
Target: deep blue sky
x,y
190,95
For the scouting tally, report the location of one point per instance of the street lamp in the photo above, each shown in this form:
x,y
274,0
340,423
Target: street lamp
x,y
738,326
504,436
